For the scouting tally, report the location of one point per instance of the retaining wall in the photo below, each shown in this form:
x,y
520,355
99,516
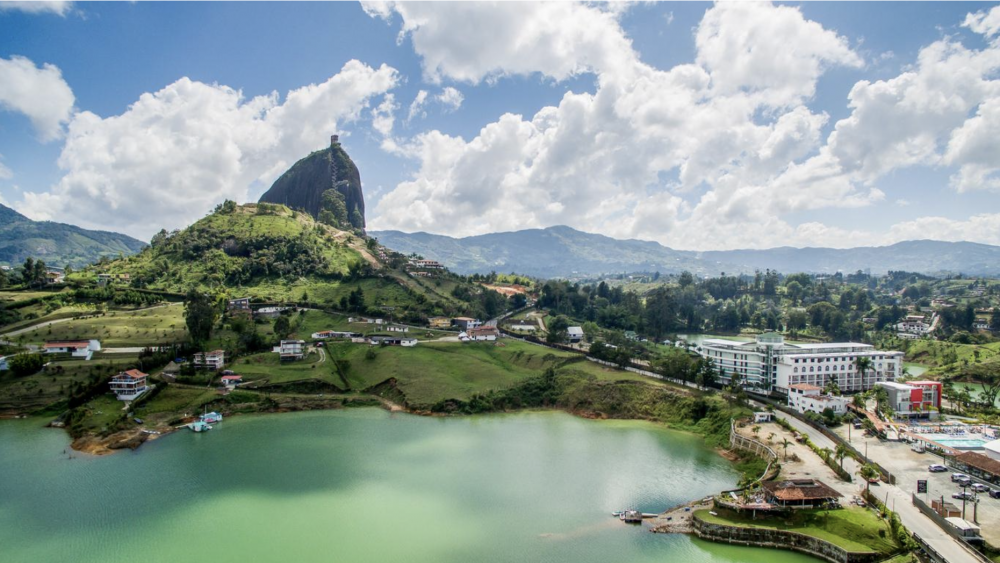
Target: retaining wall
x,y
780,539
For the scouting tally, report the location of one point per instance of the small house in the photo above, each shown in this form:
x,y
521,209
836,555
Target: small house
x,y
128,385
241,304
465,323
393,341
439,322
397,328
763,416
270,312
77,349
209,360
232,380
966,529
574,334
483,333
291,350
799,493
327,334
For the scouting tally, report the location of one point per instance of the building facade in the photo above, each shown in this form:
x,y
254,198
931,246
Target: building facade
x,y
771,364
291,350
128,385
209,360
804,397
908,400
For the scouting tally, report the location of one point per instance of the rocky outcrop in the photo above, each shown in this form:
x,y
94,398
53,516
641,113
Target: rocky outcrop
x,y
302,185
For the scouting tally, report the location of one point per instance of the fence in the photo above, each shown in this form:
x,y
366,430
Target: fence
x,y
946,526
738,441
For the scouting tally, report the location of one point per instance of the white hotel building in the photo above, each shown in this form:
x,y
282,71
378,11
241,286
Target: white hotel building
x,y
771,364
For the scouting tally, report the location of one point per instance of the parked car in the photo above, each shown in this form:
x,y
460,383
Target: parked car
x,y
963,495
995,493
956,477
980,488
936,468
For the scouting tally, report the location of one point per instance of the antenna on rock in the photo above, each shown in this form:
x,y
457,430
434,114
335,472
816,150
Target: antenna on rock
x,y
334,140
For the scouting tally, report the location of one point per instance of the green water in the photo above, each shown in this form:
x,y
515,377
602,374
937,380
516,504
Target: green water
x,y
361,485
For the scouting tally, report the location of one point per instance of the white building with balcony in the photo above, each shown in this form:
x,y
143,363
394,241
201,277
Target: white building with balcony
x,y
128,385
210,360
771,364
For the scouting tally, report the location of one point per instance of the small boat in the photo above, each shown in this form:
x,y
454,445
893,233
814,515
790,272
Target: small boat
x,y
199,426
618,513
211,417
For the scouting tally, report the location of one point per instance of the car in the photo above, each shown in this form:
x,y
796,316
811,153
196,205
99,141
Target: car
x,y
963,495
995,493
980,488
936,468
956,477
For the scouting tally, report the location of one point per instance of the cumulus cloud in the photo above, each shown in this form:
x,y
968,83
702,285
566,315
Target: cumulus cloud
x,y
417,106
622,160
384,115
178,151
472,41
40,93
984,228
60,8
450,98
983,22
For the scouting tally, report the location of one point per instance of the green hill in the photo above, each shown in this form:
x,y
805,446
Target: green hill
x,y
57,244
273,254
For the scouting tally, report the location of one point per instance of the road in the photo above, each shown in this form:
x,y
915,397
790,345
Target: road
x,y
896,499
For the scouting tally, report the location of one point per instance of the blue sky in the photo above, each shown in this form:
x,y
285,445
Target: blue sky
x,y
699,126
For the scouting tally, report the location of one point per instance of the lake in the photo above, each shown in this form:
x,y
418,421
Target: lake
x,y
362,485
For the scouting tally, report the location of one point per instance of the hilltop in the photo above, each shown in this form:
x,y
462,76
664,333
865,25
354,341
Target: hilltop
x,y
565,252
58,244
305,186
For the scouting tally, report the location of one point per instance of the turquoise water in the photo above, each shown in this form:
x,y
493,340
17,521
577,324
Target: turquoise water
x,y
361,485
962,444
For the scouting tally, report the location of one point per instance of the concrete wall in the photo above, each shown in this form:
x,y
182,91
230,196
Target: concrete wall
x,y
780,539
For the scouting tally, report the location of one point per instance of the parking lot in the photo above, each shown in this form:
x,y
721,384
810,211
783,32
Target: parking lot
x,y
909,466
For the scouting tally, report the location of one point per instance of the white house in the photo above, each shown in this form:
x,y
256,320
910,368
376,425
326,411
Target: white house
x,y
394,341
79,349
524,327
270,312
483,333
232,380
769,363
128,385
325,334
809,398
291,350
397,328
209,360
574,333
465,323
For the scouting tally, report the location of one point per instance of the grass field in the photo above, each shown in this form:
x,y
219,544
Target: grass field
x,y
160,325
854,529
267,366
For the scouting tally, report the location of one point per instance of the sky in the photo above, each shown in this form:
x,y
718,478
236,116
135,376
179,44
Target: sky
x,y
700,126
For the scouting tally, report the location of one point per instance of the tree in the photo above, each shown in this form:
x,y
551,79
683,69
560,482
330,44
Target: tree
x,y
685,279
860,401
784,446
869,472
557,328
333,209
863,364
23,365
755,430
881,399
282,327
840,453
988,377
707,375
199,315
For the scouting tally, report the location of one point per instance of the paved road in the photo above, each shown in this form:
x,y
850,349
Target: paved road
x,y
898,500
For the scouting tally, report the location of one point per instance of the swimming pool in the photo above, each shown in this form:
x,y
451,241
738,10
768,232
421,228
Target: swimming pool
x,y
959,443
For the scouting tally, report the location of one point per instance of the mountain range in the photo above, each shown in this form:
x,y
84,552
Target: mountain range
x,y
58,244
565,252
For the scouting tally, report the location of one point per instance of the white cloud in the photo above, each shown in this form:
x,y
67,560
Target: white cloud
x,y
984,23
384,115
983,228
5,173
770,51
470,42
975,146
60,8
623,160
40,93
417,106
450,98
176,152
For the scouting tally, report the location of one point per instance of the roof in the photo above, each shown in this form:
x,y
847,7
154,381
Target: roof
x,y
574,330
896,385
231,377
993,446
67,343
805,387
464,319
800,489
980,462
131,374
923,383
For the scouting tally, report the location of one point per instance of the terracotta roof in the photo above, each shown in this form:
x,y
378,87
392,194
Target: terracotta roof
x,y
805,387
67,343
231,377
131,374
799,489
980,462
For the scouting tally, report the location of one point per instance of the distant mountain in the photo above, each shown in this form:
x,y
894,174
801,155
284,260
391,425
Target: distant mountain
x,y
57,244
564,252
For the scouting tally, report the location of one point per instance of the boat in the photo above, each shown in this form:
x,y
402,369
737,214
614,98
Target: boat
x,y
199,426
211,417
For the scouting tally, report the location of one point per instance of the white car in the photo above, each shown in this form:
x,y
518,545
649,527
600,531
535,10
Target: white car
x,y
936,468
959,477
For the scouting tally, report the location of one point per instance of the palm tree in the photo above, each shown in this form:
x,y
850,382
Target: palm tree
x,y
869,472
862,364
784,446
840,454
755,430
860,400
881,398
770,437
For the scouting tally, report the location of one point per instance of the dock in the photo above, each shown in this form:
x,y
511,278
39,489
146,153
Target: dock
x,y
677,520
